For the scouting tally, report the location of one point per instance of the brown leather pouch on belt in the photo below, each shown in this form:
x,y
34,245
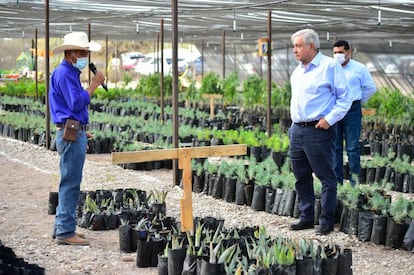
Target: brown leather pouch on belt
x,y
70,132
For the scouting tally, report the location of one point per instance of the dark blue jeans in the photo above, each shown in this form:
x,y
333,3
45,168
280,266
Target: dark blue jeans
x,y
72,158
349,131
313,151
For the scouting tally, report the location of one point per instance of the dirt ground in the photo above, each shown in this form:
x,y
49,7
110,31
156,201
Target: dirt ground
x,y
26,227
28,173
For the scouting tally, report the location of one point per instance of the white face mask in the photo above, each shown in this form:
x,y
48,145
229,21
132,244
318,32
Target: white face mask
x,y
340,57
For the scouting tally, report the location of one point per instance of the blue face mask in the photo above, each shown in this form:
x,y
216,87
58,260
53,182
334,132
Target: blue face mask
x,y
81,63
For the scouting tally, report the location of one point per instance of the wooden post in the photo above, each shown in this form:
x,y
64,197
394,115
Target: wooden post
x,y
184,156
186,202
212,97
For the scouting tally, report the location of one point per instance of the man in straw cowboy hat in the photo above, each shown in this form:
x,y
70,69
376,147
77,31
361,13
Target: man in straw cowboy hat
x,y
69,108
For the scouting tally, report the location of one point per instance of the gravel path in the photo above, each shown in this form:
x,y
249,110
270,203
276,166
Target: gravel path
x,y
28,173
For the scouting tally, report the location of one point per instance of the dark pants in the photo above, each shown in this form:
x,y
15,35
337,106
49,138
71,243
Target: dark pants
x,y
313,151
349,130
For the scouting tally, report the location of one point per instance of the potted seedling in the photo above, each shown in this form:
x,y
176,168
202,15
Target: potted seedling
x,y
262,181
125,236
229,172
110,218
176,255
241,182
89,210
397,222
408,242
218,256
163,260
285,258
198,179
379,205
158,204
140,231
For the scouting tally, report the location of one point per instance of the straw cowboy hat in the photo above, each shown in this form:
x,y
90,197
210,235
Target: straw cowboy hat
x,y
77,41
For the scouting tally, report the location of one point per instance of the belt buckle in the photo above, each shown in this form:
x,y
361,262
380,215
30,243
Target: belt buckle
x,y
307,124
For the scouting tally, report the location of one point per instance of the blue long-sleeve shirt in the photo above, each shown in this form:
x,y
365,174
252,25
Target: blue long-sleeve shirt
x,y
319,91
67,97
360,82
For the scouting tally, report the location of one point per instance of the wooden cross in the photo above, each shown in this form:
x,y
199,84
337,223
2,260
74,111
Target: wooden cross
x,y
184,156
212,97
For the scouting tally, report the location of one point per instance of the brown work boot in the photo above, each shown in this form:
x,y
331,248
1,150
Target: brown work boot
x,y
80,235
75,240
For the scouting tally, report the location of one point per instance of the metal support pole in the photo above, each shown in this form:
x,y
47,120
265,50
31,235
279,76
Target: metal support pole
x,y
106,60
223,51
269,74
202,59
35,66
162,88
287,62
89,56
47,73
161,57
175,85
235,57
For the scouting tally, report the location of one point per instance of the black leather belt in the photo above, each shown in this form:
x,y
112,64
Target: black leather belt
x,y
307,123
82,127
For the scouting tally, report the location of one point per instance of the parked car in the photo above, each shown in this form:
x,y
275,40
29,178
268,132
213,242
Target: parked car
x,y
130,60
391,69
151,63
198,65
371,67
406,65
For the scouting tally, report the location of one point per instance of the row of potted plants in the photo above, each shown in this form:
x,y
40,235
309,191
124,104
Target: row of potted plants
x,y
399,144
107,209
392,173
248,251
371,214
251,95
394,109
150,129
390,104
383,144
213,249
265,187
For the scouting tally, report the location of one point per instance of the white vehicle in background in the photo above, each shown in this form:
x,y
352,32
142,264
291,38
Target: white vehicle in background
x,y
391,69
130,60
148,65
406,65
151,63
371,67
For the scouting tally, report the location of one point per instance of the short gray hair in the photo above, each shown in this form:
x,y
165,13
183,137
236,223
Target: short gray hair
x,y
309,37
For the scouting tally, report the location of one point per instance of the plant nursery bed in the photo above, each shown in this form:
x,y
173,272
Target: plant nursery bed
x,y
29,172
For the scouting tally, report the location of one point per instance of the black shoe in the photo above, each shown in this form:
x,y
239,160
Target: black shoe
x,y
301,225
324,229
